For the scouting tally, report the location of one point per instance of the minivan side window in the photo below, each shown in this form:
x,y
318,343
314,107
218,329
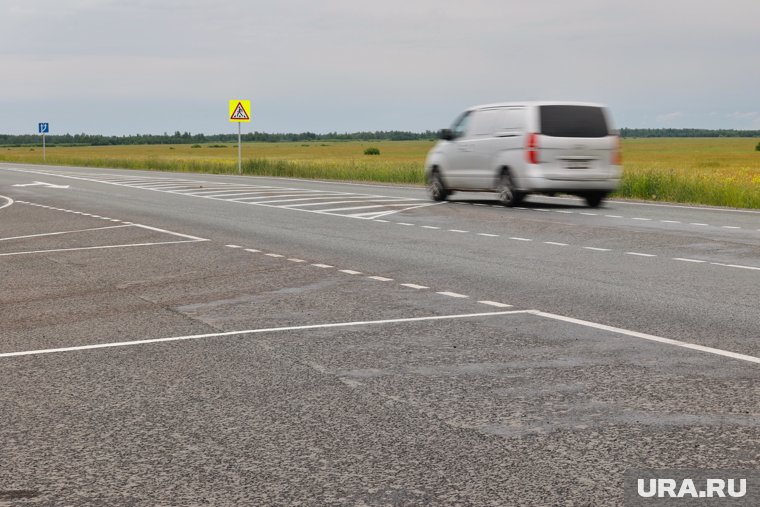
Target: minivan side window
x,y
512,119
485,121
460,125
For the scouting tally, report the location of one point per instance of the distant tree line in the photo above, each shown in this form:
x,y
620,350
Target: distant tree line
x,y
188,138
379,135
626,132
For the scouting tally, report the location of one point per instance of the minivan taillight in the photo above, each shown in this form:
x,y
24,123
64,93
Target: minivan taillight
x,y
617,153
531,148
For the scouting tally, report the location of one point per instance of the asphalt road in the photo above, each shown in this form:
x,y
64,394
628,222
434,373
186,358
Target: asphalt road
x,y
183,339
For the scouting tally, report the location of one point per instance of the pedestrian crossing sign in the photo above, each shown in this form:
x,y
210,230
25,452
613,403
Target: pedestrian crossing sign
x,y
240,110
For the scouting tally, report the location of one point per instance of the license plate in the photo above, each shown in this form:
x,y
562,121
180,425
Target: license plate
x,y
576,164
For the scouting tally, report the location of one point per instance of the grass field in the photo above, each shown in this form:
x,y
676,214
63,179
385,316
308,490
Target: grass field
x,y
716,171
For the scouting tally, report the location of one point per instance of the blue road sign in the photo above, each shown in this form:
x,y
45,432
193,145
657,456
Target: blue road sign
x,y
44,128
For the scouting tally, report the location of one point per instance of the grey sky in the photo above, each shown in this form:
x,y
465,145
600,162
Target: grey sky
x,y
129,66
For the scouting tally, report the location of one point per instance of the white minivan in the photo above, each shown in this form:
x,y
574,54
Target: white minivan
x,y
520,148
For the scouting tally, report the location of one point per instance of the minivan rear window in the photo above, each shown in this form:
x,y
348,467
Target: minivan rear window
x,y
573,121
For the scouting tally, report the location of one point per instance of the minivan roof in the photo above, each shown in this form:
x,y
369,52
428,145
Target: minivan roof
x,y
535,103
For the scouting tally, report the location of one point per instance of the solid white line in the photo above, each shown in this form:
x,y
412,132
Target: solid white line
x,y
596,249
452,294
520,239
296,260
495,303
650,337
258,331
488,235
274,255
10,201
414,286
99,247
735,266
381,278
640,254
687,260
196,238
64,232
252,250
555,243
350,271
324,266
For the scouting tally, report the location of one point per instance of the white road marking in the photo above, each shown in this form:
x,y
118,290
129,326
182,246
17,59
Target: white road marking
x,y
296,260
381,278
571,212
644,219
613,216
640,254
731,227
64,232
323,266
495,303
754,268
589,214
258,331
350,272
457,230
520,239
688,260
488,235
55,250
196,238
233,246
650,337
252,250
555,243
404,223
452,294
414,286
695,223
670,221
381,221
8,203
596,249
430,227
274,255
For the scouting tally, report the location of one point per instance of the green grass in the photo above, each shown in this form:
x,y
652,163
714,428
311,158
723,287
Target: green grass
x,y
716,171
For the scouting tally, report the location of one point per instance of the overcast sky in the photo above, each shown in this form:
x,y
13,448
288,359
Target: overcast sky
x,y
149,66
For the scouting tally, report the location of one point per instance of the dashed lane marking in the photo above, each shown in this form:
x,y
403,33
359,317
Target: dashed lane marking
x,y
495,303
639,254
414,286
380,278
452,294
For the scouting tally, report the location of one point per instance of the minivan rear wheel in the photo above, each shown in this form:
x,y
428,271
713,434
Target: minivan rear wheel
x,y
508,196
436,188
594,199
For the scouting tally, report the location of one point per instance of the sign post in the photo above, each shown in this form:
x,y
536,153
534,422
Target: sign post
x,y
43,128
240,111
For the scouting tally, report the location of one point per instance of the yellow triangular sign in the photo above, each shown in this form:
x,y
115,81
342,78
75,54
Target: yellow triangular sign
x,y
240,110
240,113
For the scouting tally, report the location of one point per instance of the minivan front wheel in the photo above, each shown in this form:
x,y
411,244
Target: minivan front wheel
x,y
436,188
508,196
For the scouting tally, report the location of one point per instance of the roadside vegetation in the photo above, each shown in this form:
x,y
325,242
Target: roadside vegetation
x,y
714,171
